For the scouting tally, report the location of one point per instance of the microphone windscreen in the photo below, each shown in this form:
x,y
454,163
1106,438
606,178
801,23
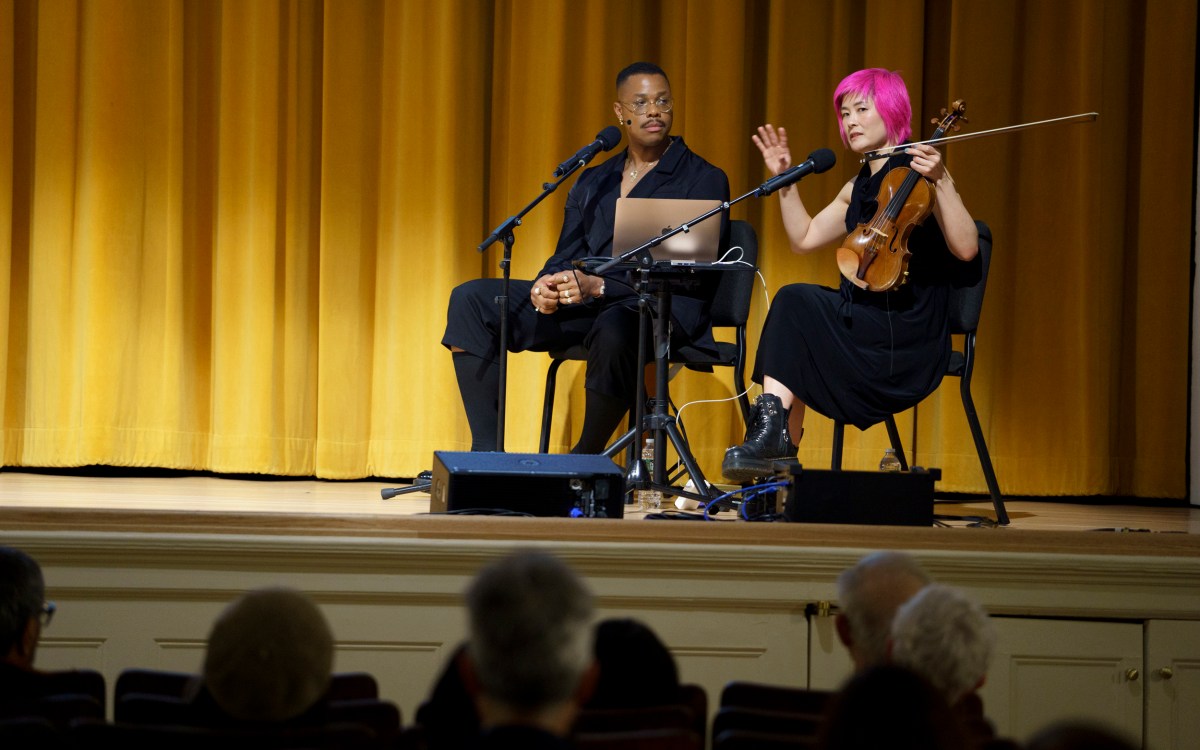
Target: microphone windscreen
x,y
822,160
611,136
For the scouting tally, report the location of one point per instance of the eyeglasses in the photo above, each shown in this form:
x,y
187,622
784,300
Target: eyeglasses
x,y
47,613
663,105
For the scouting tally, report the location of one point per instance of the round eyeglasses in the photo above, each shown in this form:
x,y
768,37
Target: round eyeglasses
x,y
47,613
639,107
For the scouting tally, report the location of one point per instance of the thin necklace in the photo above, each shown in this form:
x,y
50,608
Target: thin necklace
x,y
650,165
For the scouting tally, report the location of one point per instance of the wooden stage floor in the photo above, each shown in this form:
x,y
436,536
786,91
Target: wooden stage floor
x,y
204,504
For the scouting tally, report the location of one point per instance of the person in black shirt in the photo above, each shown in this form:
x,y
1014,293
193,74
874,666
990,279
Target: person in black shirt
x,y
563,306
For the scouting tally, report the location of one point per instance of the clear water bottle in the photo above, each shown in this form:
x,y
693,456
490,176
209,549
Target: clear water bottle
x,y
650,500
889,462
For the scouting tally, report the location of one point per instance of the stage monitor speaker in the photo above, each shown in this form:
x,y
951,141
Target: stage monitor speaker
x,y
888,498
539,484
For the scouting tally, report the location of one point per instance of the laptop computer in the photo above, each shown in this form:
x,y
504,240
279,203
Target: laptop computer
x,y
638,220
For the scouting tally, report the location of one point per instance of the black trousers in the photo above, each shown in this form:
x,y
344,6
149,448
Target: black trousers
x,y
608,328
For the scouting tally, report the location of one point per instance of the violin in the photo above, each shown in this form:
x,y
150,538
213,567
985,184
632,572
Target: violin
x,y
875,255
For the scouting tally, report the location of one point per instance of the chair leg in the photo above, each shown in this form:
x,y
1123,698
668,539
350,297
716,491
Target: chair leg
x,y
985,459
548,405
894,436
739,376
839,432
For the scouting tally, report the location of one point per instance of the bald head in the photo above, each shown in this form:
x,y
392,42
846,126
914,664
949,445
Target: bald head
x,y
869,594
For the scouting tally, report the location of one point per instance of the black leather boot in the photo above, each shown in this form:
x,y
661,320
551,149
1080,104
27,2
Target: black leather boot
x,y
767,440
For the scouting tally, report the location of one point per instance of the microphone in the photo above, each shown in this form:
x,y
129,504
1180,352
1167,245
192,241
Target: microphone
x,y
818,161
605,140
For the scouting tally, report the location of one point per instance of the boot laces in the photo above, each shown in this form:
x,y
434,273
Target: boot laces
x,y
764,410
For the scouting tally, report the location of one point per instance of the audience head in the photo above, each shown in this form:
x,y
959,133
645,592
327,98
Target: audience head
x,y
22,599
890,707
636,669
1078,735
269,657
530,642
945,637
869,593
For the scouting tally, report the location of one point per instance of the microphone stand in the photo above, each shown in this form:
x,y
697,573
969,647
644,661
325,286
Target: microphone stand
x,y
505,233
660,421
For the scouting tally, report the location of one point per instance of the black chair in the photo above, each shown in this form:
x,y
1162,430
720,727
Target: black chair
x,y
381,717
965,307
673,738
788,723
343,686
730,309
33,731
146,737
758,695
743,739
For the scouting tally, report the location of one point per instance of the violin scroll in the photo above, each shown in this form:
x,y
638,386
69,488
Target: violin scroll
x,y
949,120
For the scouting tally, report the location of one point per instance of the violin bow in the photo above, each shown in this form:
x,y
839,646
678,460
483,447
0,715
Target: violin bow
x,y
883,153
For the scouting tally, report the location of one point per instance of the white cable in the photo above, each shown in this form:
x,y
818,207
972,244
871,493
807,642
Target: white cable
x,y
767,302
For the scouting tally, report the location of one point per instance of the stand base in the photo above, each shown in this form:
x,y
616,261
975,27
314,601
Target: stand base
x,y
421,483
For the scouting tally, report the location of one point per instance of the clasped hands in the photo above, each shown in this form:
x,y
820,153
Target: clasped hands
x,y
563,288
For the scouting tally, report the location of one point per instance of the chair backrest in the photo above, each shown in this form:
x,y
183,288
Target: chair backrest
x,y
966,290
602,720
32,731
731,304
774,697
349,686
342,685
381,717
152,682
134,737
761,720
641,739
690,713
744,739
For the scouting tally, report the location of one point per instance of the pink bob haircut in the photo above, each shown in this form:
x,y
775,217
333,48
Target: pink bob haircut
x,y
890,95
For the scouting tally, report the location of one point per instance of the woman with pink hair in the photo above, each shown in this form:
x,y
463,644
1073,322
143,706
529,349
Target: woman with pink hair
x,y
851,354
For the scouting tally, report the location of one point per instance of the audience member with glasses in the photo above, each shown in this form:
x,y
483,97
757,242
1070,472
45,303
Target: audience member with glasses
x,y
24,613
564,307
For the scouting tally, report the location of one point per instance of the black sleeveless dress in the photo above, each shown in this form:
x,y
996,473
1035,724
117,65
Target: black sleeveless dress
x,y
858,356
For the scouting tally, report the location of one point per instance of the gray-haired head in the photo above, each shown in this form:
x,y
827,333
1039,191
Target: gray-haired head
x,y
22,593
869,593
530,630
946,637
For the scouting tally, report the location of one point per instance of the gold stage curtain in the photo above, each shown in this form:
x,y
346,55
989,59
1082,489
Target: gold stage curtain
x,y
228,229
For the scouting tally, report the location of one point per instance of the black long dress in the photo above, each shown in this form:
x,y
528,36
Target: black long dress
x,y
859,356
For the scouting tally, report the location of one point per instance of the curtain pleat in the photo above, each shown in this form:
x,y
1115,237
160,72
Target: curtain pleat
x,y
229,228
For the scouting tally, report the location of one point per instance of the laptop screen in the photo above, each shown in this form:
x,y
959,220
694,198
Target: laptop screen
x,y
639,220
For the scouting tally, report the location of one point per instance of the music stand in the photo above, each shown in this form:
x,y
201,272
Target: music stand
x,y
660,421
